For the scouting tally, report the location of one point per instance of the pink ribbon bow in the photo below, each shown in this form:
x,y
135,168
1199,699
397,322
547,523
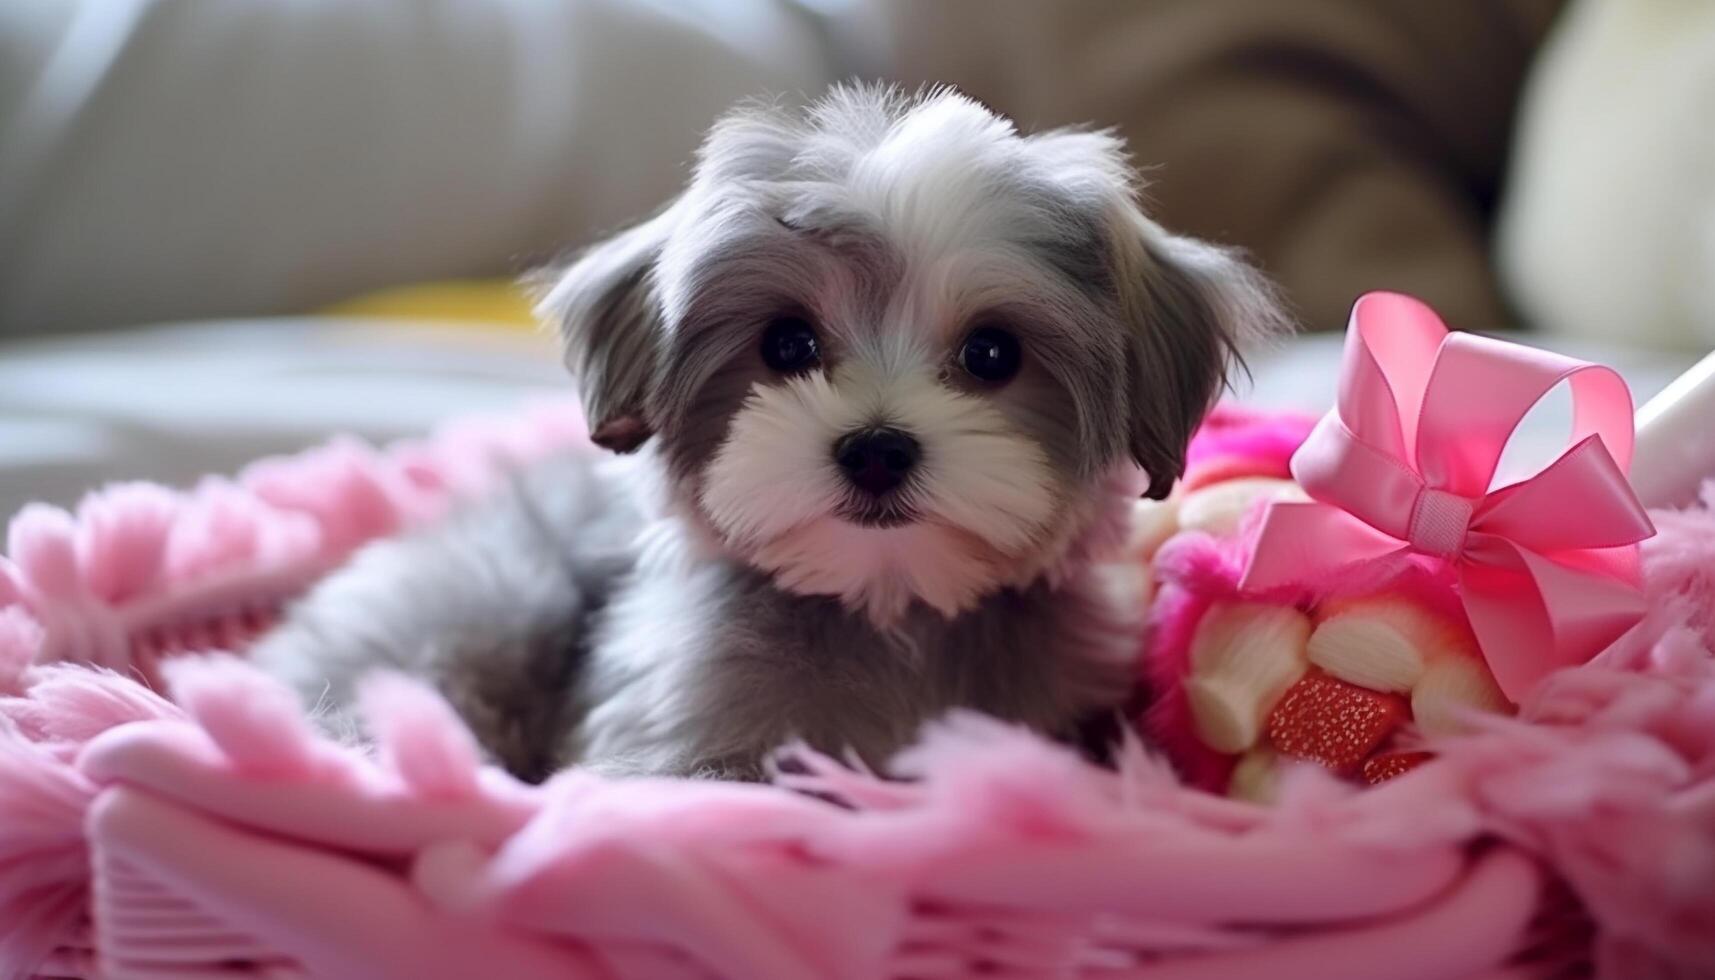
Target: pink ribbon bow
x,y
1547,567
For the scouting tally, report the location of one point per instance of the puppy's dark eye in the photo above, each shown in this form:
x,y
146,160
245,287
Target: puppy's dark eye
x,y
789,344
991,355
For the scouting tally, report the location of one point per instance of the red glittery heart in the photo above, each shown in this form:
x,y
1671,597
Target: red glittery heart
x,y
1326,720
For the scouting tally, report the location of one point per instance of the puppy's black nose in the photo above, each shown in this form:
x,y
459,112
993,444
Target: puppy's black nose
x,y
876,460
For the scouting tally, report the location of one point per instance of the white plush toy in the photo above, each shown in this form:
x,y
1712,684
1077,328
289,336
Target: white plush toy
x,y
1608,226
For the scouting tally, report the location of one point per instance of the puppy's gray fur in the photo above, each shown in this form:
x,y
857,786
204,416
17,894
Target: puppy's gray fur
x,y
686,609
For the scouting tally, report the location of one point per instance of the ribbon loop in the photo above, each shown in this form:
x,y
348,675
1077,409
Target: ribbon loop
x,y
1546,566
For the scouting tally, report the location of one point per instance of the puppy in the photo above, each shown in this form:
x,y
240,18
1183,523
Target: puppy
x,y
891,377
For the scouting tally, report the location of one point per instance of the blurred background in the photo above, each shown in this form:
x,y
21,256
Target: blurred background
x,y
229,229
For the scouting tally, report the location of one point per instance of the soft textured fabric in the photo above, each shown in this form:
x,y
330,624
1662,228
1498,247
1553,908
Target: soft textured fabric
x,y
209,831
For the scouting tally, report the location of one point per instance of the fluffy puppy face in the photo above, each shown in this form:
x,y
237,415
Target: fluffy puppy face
x,y
892,351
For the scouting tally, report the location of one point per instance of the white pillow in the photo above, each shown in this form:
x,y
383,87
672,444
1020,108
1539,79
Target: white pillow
x,y
1608,226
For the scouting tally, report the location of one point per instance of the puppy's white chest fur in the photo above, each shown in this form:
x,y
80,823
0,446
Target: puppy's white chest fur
x,y
703,669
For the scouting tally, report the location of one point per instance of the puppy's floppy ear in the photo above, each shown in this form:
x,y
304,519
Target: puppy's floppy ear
x,y
1191,308
609,318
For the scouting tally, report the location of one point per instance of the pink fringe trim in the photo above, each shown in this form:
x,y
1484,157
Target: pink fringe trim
x,y
212,833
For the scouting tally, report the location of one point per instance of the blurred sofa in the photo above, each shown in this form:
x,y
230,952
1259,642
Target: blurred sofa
x,y
166,159
179,159
182,180
1349,145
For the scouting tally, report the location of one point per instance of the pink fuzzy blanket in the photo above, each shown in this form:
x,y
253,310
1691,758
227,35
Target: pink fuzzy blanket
x,y
207,831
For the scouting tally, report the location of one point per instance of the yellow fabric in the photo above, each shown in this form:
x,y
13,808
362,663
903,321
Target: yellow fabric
x,y
476,302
